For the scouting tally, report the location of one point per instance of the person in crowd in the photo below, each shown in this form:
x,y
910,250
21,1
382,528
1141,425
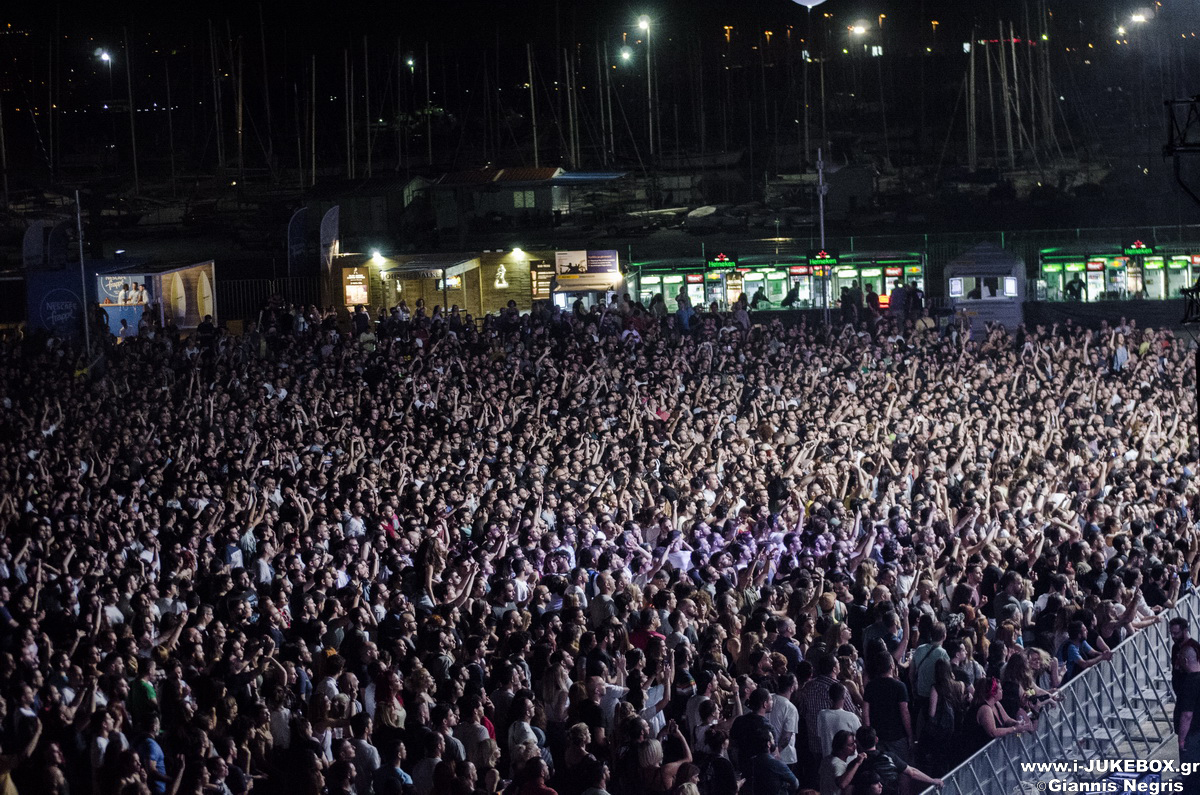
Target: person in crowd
x,y
298,560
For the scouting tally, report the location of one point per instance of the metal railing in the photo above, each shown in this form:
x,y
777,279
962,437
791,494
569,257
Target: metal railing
x,y
1116,710
242,299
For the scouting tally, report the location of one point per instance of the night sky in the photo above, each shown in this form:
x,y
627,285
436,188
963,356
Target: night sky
x,y
476,47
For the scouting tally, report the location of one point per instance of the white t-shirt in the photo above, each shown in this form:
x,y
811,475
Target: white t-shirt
x,y
832,768
832,721
784,719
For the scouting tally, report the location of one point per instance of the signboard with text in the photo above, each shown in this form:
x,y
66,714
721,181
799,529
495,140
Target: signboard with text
x,y
355,287
822,258
541,278
587,270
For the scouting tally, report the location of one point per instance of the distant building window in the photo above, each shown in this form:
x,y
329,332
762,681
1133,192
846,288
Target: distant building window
x,y
523,200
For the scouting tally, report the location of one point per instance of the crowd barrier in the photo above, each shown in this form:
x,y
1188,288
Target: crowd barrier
x,y
1121,709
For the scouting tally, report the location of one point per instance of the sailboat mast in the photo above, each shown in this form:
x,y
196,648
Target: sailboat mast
x,y
262,32
241,110
216,82
1012,41
132,114
532,103
570,109
600,102
972,140
400,82
1008,131
367,102
170,124
346,86
1033,97
3,157
312,120
428,106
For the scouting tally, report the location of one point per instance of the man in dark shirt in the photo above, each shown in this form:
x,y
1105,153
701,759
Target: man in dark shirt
x,y
1006,594
886,709
888,767
1180,640
1161,589
1189,706
751,734
785,644
770,776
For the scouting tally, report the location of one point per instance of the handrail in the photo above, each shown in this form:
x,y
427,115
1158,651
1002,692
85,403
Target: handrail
x,y
1116,709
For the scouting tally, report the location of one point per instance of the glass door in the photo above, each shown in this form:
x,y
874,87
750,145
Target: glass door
x,y
777,287
648,287
1177,276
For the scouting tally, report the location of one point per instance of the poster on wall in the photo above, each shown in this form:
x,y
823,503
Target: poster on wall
x,y
570,262
122,289
355,287
54,304
188,294
587,270
541,278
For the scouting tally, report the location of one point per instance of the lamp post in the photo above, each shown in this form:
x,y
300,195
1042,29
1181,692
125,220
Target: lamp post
x,y
107,60
859,30
644,24
809,5
1138,22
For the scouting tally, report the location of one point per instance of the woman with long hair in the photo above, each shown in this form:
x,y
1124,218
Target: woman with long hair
x,y
556,698
942,720
657,776
1020,692
987,719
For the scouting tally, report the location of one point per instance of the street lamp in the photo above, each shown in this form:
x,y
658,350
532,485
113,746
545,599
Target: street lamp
x,y
644,24
626,54
1139,18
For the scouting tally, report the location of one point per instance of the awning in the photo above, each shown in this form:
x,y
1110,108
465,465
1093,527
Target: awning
x,y
579,178
433,266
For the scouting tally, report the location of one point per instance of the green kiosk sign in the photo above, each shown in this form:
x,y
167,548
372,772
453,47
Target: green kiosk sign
x,y
722,261
1137,249
823,258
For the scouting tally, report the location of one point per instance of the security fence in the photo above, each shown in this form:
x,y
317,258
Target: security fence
x,y
243,299
1121,709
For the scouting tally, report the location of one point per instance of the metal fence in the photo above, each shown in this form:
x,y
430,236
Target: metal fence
x,y
1115,710
242,299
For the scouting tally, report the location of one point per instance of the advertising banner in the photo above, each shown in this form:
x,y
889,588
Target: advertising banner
x,y
122,289
587,270
54,303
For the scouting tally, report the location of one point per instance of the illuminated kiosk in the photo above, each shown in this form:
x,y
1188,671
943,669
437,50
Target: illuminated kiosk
x,y
987,285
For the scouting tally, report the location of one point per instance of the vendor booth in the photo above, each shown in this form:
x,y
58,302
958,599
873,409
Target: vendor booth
x,y
987,285
177,295
1100,272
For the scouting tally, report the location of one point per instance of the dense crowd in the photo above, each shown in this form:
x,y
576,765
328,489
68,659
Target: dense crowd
x,y
572,551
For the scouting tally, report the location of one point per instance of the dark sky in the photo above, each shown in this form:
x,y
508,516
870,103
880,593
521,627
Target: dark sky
x,y
472,20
